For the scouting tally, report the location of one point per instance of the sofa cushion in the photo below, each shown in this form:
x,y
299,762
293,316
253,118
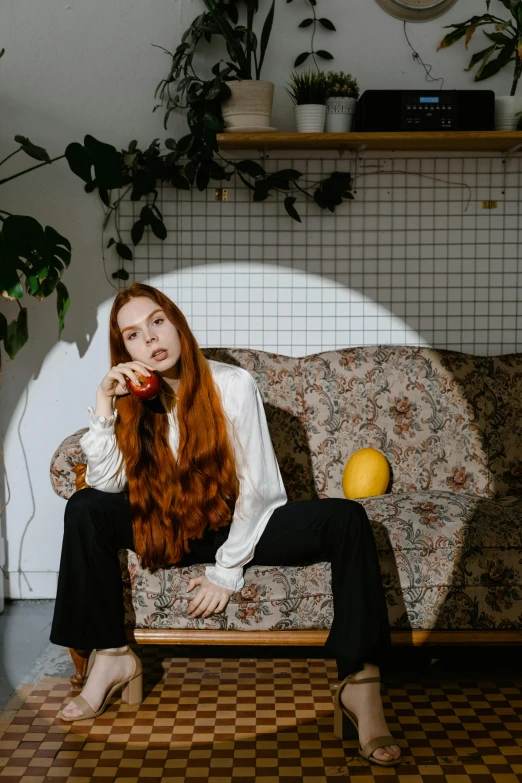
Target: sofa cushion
x,y
449,560
423,408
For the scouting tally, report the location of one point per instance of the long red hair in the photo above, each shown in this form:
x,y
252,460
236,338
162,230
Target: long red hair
x,y
172,498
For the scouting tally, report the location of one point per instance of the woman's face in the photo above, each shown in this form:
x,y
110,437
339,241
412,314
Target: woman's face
x,y
145,328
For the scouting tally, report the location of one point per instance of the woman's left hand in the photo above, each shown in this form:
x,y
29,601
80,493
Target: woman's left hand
x,y
209,599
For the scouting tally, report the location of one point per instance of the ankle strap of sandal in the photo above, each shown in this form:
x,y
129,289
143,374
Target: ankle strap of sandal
x,y
362,680
113,652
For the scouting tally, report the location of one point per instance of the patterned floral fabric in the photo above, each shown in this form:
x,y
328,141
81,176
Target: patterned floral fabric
x,y
449,529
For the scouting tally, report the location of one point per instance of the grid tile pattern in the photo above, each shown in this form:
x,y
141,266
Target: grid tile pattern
x,y
415,259
212,720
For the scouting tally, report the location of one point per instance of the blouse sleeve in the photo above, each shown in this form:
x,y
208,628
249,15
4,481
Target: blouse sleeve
x,y
261,488
102,452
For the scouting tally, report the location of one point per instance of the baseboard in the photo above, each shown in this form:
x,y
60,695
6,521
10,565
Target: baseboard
x,y
31,584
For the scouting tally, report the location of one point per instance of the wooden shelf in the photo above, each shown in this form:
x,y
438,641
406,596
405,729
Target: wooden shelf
x,y
468,141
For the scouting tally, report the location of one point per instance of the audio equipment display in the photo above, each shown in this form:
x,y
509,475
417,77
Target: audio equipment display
x,y
425,110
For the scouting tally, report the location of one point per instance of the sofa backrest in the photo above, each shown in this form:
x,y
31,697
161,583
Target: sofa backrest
x,y
445,420
425,409
422,408
503,405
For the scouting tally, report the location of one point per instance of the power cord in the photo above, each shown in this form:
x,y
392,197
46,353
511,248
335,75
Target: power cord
x,y
416,56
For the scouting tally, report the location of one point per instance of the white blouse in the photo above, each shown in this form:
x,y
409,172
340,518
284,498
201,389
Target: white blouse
x,y
261,488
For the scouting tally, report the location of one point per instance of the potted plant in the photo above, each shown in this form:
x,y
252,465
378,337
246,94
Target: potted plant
x,y
503,49
342,92
308,92
245,99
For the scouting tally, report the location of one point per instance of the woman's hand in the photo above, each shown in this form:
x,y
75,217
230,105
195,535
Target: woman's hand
x,y
209,599
115,382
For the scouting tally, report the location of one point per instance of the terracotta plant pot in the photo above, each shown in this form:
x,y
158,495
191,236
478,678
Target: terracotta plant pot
x,y
249,106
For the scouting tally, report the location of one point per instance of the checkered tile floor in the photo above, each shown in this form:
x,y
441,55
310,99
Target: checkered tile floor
x,y
213,720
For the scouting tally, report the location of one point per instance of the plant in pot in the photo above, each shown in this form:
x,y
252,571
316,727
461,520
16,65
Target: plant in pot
x,y
308,92
246,100
342,92
504,48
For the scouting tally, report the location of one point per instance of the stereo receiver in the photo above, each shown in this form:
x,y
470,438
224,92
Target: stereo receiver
x,y
425,110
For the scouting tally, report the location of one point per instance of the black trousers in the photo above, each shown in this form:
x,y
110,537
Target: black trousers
x,y
89,607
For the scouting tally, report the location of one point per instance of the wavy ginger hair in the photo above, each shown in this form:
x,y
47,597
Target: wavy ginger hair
x,y
173,499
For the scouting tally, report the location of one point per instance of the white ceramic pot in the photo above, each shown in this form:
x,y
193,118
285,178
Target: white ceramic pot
x,y
340,112
249,105
310,117
506,107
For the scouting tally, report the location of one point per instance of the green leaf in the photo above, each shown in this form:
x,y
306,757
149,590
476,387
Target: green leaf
x,y
287,174
301,58
79,160
107,161
158,228
450,38
36,251
63,302
3,323
499,38
48,285
480,56
124,251
120,274
289,206
326,23
179,181
260,191
38,153
325,55
306,22
32,284
137,232
265,34
492,67
202,177
212,122
250,167
17,334
111,242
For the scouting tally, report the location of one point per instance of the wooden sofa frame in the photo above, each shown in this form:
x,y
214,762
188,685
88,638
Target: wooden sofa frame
x,y
413,638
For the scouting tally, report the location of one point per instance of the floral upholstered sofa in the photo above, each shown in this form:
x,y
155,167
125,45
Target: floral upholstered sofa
x,y
448,530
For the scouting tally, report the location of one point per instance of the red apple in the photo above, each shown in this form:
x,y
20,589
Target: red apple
x,y
148,387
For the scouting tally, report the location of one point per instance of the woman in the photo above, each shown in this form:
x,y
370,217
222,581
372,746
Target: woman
x,y
220,499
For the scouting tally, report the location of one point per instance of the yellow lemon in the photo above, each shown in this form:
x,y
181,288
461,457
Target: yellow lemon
x,y
366,473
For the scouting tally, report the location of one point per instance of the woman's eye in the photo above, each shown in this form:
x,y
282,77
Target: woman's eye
x,y
157,319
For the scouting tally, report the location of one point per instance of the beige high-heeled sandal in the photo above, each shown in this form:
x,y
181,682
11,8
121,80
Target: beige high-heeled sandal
x,y
346,725
132,689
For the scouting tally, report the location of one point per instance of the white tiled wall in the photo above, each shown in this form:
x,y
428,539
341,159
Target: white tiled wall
x,y
414,259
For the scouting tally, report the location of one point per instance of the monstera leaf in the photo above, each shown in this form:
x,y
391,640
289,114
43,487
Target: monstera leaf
x,y
41,255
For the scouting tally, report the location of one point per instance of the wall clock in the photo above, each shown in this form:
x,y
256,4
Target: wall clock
x,y
416,10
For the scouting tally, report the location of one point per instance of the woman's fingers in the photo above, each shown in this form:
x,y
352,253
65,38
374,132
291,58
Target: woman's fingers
x,y
212,607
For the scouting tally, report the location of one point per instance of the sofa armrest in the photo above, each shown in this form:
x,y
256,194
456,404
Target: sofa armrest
x,y
64,462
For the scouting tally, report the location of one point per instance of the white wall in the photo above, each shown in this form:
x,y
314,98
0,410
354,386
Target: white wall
x,y
73,68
